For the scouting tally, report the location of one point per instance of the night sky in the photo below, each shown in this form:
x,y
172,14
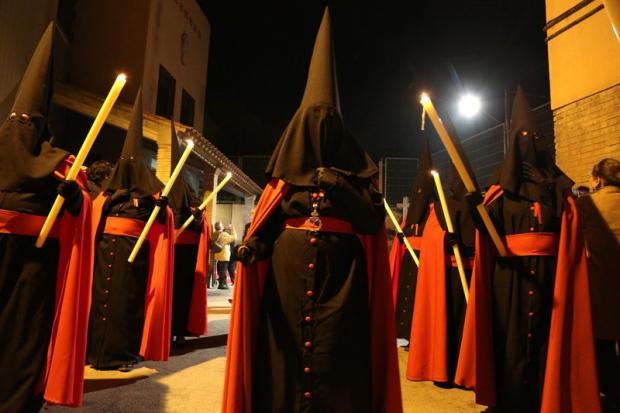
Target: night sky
x,y
386,54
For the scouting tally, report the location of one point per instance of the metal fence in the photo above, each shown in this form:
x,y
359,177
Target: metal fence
x,y
485,151
397,177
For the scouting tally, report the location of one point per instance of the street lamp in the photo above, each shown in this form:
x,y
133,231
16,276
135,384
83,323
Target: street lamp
x,y
469,105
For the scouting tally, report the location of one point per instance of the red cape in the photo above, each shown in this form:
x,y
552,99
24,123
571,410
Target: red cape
x,y
197,323
63,379
386,396
571,382
428,357
157,329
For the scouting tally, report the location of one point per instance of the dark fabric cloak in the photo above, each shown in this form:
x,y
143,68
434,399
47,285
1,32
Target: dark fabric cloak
x,y
550,365
44,292
131,302
191,258
253,287
131,312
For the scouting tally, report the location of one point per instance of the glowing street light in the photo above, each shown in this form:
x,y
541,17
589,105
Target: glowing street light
x,y
469,105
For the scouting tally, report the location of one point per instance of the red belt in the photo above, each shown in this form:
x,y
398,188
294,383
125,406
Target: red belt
x,y
415,242
123,226
324,224
17,223
468,262
188,237
537,244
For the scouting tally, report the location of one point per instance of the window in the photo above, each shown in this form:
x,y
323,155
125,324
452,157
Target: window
x,y
165,94
187,109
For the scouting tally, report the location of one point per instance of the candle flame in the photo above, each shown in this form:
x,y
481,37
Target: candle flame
x,y
434,173
424,99
228,174
122,77
189,143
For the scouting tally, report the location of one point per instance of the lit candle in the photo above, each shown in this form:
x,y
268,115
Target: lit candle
x,y
455,248
462,170
165,192
400,231
204,204
100,119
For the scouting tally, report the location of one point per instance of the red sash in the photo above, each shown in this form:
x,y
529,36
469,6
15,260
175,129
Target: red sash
x,y
415,242
538,243
124,227
17,223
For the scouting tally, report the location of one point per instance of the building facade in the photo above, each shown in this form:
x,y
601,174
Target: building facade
x,y
163,47
584,73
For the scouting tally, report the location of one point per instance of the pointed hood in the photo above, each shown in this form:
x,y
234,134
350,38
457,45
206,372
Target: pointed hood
x,y
26,157
131,173
179,196
422,192
322,82
528,144
316,136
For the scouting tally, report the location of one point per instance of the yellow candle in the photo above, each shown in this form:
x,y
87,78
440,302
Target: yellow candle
x,y
204,203
460,167
104,111
400,231
455,248
165,192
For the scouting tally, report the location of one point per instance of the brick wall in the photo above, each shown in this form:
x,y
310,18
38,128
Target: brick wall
x,y
587,131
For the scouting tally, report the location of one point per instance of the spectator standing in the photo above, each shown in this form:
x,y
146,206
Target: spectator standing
x,y
600,213
221,249
232,262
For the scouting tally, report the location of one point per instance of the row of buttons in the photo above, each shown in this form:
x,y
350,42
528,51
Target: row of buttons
x,y
108,279
308,319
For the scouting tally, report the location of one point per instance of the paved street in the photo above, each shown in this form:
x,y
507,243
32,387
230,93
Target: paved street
x,y
191,381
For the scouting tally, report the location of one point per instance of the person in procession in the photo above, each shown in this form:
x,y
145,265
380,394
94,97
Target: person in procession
x,y
312,325
44,292
527,344
440,302
191,257
404,270
130,318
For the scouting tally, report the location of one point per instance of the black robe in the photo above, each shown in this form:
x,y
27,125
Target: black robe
x,y
328,354
119,288
455,298
407,281
185,257
522,304
27,298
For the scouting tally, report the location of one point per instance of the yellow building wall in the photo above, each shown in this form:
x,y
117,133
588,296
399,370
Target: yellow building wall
x,y
584,74
583,60
169,20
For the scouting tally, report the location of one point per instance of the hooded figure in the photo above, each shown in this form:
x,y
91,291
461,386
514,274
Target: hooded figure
x,y
191,258
44,291
130,316
404,270
527,343
440,303
312,299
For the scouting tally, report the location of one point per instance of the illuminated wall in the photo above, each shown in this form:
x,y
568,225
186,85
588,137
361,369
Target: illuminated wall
x,y
584,73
